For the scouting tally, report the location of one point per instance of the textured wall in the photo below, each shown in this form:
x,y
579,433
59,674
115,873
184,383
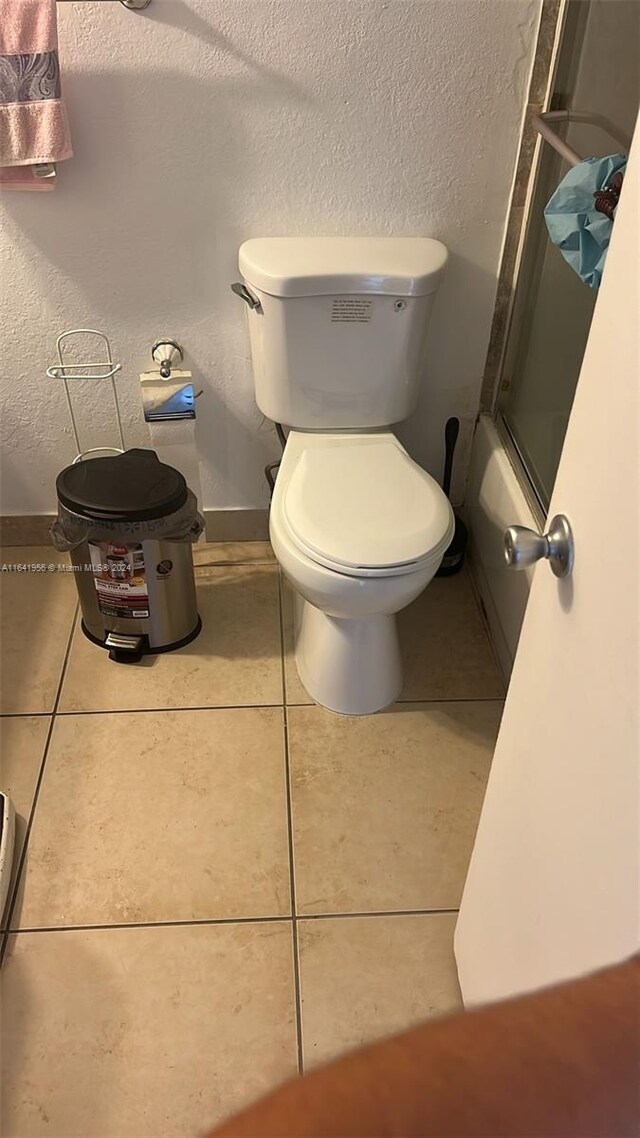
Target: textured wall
x,y
200,123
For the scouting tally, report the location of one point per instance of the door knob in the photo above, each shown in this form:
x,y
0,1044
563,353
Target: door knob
x,y
523,547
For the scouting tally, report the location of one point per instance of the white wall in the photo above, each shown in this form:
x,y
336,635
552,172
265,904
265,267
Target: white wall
x,y
200,123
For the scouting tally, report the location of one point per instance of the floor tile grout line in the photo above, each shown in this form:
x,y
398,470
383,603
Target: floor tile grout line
x,y
162,710
214,921
292,866
24,714
453,699
203,922
297,982
294,903
234,564
36,791
417,699
230,707
374,913
287,773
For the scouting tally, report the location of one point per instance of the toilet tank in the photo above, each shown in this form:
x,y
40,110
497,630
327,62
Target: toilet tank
x,y
338,325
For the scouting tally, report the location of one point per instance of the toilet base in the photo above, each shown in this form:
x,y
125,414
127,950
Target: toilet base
x,y
352,667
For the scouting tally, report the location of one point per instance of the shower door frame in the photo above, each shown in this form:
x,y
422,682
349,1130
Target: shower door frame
x,y
544,176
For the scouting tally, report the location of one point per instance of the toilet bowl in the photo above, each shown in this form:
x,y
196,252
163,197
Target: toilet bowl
x,y
337,332
359,530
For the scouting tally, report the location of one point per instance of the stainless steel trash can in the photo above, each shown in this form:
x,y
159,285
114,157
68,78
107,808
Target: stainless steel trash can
x,y
128,522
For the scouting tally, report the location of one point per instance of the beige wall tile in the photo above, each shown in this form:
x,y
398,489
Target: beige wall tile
x,y
385,807
237,525
22,742
143,817
232,553
234,660
363,978
36,614
143,1033
25,529
549,16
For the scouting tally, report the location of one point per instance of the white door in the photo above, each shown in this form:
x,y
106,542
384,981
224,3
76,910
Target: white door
x,y
553,889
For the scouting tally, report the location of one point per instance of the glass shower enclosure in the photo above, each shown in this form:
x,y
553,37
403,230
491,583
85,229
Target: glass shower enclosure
x,y
597,71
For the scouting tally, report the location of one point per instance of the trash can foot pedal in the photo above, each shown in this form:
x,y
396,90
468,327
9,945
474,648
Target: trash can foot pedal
x,y
124,649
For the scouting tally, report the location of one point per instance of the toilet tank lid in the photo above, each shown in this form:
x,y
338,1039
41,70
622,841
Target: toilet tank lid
x,y
317,266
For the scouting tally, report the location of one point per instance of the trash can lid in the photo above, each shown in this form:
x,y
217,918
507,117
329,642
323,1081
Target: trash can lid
x,y
133,486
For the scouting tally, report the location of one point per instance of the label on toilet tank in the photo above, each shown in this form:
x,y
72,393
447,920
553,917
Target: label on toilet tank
x,y
120,579
351,309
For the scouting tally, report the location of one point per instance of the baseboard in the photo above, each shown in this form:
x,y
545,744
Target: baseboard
x,y
236,525
221,525
25,529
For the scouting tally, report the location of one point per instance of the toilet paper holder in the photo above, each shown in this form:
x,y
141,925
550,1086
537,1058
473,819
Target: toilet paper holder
x,y
168,394
166,353
166,399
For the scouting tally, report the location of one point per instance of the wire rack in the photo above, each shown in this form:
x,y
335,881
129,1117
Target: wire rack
x,y
103,369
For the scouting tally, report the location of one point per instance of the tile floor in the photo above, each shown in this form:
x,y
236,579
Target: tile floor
x,y
223,884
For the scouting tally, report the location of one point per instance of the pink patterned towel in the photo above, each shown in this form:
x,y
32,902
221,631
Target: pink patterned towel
x,y
33,121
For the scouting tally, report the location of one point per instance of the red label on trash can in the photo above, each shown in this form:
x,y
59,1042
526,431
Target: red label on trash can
x,y
120,579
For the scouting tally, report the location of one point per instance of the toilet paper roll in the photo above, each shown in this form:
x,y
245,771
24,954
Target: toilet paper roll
x,y
167,398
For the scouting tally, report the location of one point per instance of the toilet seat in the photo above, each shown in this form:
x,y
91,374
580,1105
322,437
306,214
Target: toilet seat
x,y
365,509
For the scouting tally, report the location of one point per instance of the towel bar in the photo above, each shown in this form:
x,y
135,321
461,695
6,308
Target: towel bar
x,y
134,5
48,169
541,124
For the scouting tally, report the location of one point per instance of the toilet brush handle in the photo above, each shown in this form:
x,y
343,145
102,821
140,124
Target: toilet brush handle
x,y
450,439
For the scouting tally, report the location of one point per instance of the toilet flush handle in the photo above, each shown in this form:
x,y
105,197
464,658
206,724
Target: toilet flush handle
x,y
242,291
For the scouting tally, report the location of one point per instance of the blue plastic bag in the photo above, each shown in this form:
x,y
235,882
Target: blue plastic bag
x,y
581,232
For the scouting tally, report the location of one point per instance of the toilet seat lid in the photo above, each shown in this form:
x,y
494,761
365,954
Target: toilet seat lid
x,y
366,506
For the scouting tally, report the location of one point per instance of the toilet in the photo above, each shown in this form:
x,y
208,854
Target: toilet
x,y
336,327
